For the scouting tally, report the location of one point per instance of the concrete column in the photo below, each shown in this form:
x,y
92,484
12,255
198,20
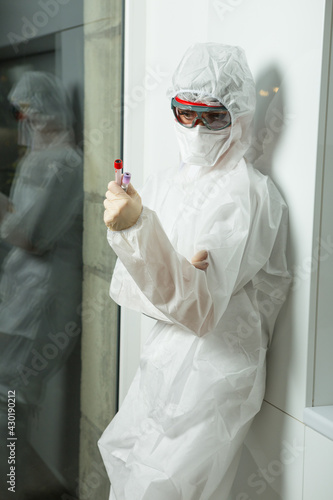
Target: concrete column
x,y
102,142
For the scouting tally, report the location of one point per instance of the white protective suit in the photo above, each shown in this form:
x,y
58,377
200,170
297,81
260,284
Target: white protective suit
x,y
201,378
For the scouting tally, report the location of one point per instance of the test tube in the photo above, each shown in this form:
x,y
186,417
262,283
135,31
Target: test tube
x,y
126,180
118,168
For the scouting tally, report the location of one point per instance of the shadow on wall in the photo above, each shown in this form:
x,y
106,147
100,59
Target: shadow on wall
x,y
260,477
269,120
270,124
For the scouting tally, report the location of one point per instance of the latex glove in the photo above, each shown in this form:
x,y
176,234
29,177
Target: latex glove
x,y
122,209
199,260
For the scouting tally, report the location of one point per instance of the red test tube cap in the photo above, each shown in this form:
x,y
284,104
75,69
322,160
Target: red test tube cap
x,y
118,164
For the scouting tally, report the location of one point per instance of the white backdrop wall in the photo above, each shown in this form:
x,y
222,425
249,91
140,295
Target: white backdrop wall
x,y
285,46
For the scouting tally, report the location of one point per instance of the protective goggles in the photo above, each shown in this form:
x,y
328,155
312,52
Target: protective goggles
x,y
188,114
17,114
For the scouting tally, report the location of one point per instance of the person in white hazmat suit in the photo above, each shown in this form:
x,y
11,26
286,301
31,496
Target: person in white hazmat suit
x,y
205,257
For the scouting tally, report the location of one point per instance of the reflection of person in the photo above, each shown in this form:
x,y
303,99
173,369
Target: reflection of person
x,y
201,378
40,285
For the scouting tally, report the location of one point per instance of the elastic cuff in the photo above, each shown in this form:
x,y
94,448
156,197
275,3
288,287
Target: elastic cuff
x,y
135,226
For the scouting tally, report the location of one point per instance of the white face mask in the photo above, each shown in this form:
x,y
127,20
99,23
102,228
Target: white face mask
x,y
201,146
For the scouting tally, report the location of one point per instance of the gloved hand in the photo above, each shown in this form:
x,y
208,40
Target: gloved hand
x,y
122,209
199,260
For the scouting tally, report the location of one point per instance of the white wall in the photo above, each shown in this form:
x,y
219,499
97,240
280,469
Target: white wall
x,y
284,43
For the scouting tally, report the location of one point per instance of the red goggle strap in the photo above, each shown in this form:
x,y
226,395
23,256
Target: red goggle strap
x,y
188,103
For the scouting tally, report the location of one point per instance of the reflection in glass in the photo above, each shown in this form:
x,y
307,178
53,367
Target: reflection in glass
x,y
40,284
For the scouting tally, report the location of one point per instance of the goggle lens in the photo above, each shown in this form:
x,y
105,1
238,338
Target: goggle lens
x,y
217,118
17,113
